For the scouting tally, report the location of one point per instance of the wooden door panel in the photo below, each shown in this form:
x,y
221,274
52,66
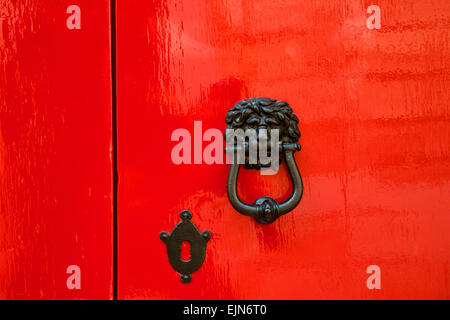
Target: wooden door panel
x,y
374,118
55,150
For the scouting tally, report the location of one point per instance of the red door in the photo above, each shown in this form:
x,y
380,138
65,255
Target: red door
x,y
371,93
55,150
368,81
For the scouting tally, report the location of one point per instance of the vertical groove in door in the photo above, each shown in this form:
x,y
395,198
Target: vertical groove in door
x,y
114,146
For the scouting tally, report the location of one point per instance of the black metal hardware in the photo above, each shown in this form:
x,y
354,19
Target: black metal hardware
x,y
268,114
186,231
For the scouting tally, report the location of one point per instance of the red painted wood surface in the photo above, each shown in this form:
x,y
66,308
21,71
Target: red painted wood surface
x,y
374,116
55,150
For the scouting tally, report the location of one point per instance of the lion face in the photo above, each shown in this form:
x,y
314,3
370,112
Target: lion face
x,y
267,114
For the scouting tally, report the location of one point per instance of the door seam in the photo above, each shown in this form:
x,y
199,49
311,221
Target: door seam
x,y
115,172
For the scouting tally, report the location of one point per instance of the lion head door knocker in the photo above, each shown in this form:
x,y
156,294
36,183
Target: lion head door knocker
x,y
259,131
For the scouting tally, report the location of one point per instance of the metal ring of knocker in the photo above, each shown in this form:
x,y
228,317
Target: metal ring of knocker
x,y
268,114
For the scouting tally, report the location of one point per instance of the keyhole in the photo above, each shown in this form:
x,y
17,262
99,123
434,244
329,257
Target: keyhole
x,y
185,251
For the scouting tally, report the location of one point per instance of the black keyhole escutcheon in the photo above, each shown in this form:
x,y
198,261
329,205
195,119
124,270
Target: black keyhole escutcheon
x,y
186,231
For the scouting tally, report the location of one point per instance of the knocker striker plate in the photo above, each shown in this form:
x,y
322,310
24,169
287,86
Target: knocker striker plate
x,y
263,115
186,231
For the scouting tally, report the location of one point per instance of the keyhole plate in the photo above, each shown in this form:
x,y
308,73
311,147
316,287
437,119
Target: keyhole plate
x,y
186,231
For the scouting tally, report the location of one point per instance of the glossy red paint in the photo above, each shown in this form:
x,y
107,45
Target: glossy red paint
x,y
374,116
55,150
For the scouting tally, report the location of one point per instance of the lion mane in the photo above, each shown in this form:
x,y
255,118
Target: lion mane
x,y
256,112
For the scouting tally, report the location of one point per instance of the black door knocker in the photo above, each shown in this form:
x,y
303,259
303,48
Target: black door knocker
x,y
186,231
250,123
